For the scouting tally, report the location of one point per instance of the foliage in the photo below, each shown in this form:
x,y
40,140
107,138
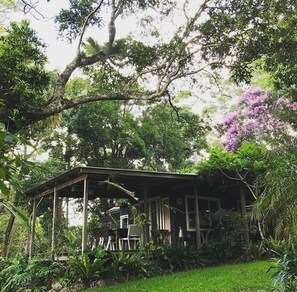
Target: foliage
x,y
260,118
277,204
176,258
12,162
116,68
247,164
169,136
88,266
23,274
23,77
227,243
128,266
72,20
285,264
259,32
16,212
110,134
269,121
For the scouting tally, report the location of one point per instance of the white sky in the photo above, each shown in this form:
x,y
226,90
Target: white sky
x,y
60,53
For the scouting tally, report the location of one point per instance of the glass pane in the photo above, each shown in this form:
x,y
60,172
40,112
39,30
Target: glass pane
x,y
192,223
204,213
191,205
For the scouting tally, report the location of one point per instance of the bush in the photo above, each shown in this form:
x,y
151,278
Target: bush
x,y
87,267
21,274
220,252
126,266
286,269
173,258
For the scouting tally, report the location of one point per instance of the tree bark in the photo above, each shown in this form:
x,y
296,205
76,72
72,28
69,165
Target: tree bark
x,y
7,235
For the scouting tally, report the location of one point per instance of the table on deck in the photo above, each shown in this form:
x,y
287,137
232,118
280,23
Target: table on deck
x,y
118,233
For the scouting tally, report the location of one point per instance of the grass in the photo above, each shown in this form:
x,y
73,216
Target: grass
x,y
238,278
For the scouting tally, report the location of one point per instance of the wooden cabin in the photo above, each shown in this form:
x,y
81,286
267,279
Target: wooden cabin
x,y
178,207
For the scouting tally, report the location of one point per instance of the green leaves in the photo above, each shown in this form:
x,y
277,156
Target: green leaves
x,y
71,21
17,212
242,32
22,74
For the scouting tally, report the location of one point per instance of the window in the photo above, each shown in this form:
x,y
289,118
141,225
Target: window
x,y
207,206
124,221
190,213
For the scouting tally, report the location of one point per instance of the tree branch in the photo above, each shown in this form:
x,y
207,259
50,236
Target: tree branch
x,y
86,24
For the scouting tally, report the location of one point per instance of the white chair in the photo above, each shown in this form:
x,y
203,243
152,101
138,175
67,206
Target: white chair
x,y
133,235
111,244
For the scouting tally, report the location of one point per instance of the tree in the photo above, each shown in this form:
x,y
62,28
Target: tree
x,y
245,34
247,165
277,205
170,137
260,117
13,166
267,120
23,77
107,134
112,134
118,69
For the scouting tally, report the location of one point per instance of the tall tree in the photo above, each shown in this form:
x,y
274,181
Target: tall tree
x,y
119,68
245,34
260,117
111,134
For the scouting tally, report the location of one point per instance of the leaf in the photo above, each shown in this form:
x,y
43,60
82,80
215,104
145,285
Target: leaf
x,y
18,213
3,188
2,173
8,138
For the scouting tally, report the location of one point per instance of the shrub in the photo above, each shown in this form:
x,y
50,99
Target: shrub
x,y
174,258
87,267
21,274
285,263
126,266
224,251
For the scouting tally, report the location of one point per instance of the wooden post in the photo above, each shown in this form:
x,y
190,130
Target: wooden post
x,y
85,217
67,213
243,210
55,205
32,231
146,211
198,236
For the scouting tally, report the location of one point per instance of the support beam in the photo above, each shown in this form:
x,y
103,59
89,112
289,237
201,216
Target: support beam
x,y
54,222
32,231
146,211
244,214
67,213
62,186
197,220
85,217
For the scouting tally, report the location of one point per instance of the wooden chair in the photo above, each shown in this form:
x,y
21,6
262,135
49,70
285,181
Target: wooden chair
x,y
111,243
133,235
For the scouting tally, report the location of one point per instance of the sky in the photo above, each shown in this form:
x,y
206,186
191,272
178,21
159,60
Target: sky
x,y
60,53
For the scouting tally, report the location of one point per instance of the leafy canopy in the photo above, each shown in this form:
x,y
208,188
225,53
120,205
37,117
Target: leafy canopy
x,y
244,34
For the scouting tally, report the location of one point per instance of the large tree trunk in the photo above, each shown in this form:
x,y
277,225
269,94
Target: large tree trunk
x,y
7,235
8,231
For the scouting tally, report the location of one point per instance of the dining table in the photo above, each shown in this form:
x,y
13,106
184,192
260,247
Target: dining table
x,y
118,233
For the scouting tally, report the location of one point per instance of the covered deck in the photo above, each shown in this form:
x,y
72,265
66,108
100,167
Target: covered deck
x,y
153,192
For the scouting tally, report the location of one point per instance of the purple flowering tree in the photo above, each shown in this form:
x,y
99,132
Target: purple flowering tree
x,y
259,117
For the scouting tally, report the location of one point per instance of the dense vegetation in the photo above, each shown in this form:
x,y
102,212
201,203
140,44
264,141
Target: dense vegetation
x,y
118,103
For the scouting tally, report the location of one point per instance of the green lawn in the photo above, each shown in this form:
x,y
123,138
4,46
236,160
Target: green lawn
x,y
239,277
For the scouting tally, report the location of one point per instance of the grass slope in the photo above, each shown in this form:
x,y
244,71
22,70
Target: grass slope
x,y
240,277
